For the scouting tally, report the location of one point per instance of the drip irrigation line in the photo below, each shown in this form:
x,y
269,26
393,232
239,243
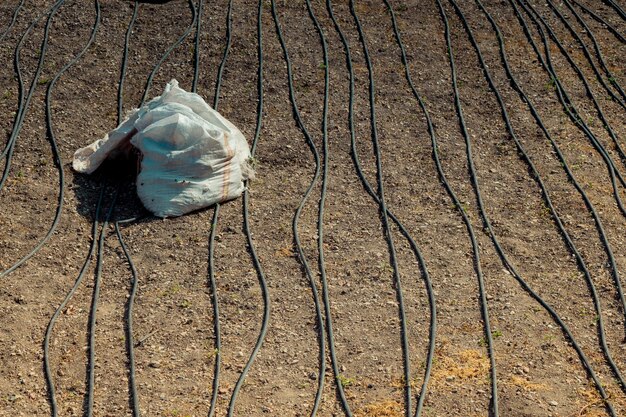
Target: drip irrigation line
x,y
130,348
401,227
246,221
120,89
196,49
55,150
483,214
562,94
216,314
13,19
130,345
600,20
617,8
494,406
383,211
301,254
211,261
68,297
169,50
596,48
229,39
212,233
20,82
23,104
322,201
91,374
587,54
536,176
588,204
134,397
568,104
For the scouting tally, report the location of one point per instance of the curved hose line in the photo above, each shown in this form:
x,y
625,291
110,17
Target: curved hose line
x,y
301,255
68,297
55,150
563,98
596,47
569,106
130,348
23,107
385,218
169,51
13,19
130,345
196,49
120,89
321,206
212,233
134,397
546,196
91,373
481,285
617,8
600,20
246,215
483,214
587,54
20,82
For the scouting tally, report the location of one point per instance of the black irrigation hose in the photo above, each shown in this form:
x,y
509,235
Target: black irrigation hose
x,y
562,94
373,194
211,268
120,88
600,20
322,200
23,104
483,214
569,106
617,8
321,375
301,255
91,373
587,54
216,313
68,297
13,19
229,40
257,265
134,397
196,49
55,150
169,50
212,233
494,406
246,222
565,235
588,203
596,48
130,345
20,82
536,176
383,212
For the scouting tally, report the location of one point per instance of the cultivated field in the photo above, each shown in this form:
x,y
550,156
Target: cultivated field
x,y
437,226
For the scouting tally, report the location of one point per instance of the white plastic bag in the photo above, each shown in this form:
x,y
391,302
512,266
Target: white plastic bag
x,y
191,157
